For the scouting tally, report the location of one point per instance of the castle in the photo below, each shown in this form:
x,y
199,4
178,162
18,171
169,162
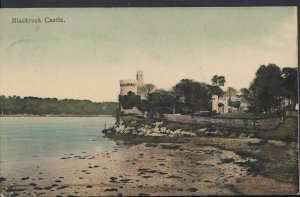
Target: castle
x,y
135,86
129,85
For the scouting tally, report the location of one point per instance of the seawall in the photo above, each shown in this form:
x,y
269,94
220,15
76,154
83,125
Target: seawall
x,y
251,124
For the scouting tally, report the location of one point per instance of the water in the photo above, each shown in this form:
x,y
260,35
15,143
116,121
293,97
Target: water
x,y
23,140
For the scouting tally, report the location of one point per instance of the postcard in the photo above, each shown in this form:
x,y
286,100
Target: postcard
x,y
165,101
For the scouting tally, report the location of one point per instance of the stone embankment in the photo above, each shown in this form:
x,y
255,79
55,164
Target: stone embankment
x,y
252,124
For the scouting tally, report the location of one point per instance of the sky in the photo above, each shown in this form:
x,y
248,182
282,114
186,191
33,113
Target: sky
x,y
87,55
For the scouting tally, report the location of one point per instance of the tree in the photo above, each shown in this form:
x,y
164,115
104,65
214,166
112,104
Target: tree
x,y
130,100
247,96
231,92
192,96
162,98
235,104
266,89
159,102
218,80
289,83
39,106
215,90
146,89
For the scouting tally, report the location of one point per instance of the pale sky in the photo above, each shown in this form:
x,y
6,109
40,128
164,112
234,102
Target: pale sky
x,y
85,57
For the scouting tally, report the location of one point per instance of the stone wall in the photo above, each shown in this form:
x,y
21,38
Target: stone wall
x,y
259,124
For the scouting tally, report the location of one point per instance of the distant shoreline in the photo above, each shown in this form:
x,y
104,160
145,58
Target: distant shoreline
x,y
53,115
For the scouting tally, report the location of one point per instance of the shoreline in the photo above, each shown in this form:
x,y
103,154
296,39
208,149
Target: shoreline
x,y
270,170
149,168
54,115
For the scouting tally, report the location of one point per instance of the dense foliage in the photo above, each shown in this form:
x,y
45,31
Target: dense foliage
x,y
270,86
192,96
186,97
266,93
130,100
40,106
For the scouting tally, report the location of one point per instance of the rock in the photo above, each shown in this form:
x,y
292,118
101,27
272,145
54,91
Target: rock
x,y
120,128
157,134
110,189
156,130
256,141
215,133
158,124
242,135
202,130
251,135
163,129
192,189
127,130
110,131
276,142
2,179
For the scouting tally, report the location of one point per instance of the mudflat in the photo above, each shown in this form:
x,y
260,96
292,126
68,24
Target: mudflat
x,y
189,168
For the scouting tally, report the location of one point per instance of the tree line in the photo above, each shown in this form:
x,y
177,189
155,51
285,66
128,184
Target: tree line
x,y
267,90
42,106
186,97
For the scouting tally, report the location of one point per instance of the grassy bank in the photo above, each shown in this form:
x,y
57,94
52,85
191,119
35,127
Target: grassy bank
x,y
247,115
286,131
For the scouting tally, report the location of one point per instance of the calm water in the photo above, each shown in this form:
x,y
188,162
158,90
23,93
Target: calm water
x,y
22,138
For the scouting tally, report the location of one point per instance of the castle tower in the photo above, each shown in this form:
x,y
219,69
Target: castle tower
x,y
140,81
126,86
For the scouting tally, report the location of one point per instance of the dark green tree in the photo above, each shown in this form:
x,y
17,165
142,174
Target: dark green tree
x,y
218,80
192,96
162,99
290,83
147,89
130,100
266,89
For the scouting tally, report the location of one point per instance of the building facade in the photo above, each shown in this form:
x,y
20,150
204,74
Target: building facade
x,y
220,104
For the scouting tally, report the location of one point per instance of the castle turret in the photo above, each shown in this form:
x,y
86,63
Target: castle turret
x,y
140,82
128,86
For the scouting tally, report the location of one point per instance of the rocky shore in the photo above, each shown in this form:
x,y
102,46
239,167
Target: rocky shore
x,y
277,173
185,163
156,129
